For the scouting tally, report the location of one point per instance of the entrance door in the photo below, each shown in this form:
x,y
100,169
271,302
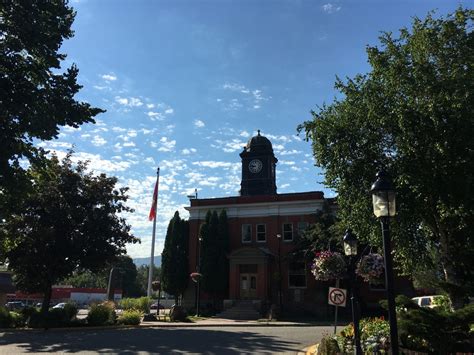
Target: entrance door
x,y
248,286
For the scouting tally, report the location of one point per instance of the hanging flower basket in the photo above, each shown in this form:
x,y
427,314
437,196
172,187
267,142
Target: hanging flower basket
x,y
371,268
328,265
195,276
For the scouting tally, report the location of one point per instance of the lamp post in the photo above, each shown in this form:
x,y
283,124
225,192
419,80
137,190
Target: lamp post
x,y
383,200
279,273
199,278
350,249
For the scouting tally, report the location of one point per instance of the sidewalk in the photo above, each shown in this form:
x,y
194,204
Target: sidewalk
x,y
221,322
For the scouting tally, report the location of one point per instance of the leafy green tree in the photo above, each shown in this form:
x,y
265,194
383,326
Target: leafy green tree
x,y
214,249
142,277
174,260
69,220
87,279
324,234
413,114
37,96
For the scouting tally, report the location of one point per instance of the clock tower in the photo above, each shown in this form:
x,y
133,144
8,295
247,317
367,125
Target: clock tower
x,y
258,167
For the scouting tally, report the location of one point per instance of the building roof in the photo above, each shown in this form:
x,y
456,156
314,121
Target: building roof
x,y
259,144
237,200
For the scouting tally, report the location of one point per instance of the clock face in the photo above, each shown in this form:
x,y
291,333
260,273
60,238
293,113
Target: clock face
x,y
255,166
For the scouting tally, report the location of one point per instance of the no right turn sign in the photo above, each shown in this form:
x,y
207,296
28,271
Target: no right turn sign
x,y
337,296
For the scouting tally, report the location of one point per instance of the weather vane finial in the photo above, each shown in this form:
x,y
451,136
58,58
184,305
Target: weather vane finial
x,y
258,132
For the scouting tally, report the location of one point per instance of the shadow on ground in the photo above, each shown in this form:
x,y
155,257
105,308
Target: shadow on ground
x,y
151,340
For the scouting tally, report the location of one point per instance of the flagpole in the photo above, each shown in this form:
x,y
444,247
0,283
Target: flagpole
x,y
152,258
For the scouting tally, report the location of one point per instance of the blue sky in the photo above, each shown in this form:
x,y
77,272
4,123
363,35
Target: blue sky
x,y
187,83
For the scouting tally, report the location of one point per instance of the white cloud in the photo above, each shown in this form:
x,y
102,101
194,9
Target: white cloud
x,y
169,111
155,115
213,164
118,129
129,144
291,152
187,151
150,105
129,102
331,8
109,77
199,123
98,141
166,145
244,134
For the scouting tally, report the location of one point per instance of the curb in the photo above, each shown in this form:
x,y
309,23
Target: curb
x,y
160,325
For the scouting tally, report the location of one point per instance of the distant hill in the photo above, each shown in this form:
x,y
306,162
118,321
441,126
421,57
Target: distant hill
x,y
146,261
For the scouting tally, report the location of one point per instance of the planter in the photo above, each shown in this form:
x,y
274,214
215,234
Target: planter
x,y
328,265
371,268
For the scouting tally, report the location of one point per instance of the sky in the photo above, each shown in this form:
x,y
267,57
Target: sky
x,y
187,83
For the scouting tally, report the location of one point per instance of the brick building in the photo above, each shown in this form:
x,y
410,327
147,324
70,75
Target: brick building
x,y
263,229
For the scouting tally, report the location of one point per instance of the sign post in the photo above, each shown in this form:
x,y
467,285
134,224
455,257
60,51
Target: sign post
x,y
337,297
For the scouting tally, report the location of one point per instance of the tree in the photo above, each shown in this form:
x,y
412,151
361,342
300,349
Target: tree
x,y
174,260
413,114
325,234
142,277
214,249
36,97
69,219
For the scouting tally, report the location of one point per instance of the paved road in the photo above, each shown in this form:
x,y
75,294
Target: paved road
x,y
196,340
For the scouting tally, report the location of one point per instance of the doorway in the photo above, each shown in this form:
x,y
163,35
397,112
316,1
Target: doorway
x,y
248,286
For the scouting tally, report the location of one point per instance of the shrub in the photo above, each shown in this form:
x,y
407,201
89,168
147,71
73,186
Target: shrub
x,y
375,334
101,314
51,319
127,303
5,318
27,312
434,330
70,310
17,319
328,346
140,304
130,317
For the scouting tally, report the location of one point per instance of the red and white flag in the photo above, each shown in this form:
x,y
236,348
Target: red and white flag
x,y
152,214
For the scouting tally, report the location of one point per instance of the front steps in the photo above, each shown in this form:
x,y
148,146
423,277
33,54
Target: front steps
x,y
241,310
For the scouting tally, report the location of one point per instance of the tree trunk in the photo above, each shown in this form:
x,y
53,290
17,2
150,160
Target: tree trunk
x,y
453,283
46,300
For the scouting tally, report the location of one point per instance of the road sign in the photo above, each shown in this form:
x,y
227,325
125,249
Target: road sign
x,y
337,296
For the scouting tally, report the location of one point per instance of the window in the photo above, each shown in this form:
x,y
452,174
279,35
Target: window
x,y
261,233
301,228
246,233
287,232
297,275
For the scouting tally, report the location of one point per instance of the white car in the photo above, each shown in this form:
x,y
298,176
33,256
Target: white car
x,y
59,305
426,301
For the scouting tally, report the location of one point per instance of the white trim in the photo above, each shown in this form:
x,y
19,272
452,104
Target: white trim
x,y
256,233
260,209
283,232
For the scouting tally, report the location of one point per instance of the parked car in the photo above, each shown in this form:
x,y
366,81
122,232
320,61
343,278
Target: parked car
x,y
155,306
426,301
14,305
59,305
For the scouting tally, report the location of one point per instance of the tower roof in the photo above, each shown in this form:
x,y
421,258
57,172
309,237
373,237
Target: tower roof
x,y
259,143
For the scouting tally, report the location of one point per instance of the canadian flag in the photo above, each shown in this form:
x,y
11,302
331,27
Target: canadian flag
x,y
152,214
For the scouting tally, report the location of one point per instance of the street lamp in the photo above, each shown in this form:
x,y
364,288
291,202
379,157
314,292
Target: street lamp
x,y
199,278
383,200
279,273
350,249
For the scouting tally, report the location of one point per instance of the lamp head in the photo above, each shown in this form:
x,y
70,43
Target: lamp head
x,y
350,243
383,196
